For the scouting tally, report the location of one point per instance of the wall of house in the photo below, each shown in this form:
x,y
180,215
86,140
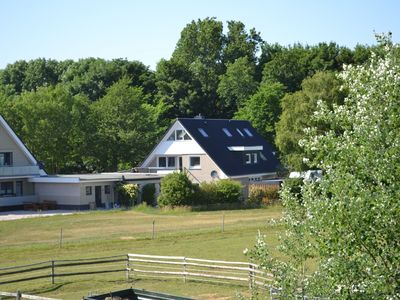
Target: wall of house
x,y
67,195
203,173
107,200
8,145
14,201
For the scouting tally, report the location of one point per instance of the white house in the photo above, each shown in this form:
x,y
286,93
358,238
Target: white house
x,y
24,183
210,149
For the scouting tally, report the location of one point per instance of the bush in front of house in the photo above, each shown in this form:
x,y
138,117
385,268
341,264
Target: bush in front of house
x,y
176,190
207,194
262,195
228,191
127,194
148,194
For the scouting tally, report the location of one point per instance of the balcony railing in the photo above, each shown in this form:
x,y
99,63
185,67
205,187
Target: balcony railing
x,y
18,170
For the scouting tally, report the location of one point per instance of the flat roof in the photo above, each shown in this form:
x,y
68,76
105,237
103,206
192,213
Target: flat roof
x,y
77,178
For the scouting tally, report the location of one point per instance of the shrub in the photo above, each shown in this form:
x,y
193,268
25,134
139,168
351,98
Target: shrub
x,y
176,190
262,194
207,194
127,194
148,194
228,191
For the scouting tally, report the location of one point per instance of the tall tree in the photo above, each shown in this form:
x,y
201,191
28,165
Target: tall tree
x,y
125,127
201,56
50,121
297,112
237,85
262,109
349,219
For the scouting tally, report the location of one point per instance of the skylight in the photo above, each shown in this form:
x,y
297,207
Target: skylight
x,y
241,133
202,131
248,132
227,132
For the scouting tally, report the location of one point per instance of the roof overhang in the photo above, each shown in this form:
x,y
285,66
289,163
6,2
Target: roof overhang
x,y
253,175
245,148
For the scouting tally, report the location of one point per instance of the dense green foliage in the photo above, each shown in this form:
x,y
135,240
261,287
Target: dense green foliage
x,y
297,111
262,195
111,112
228,191
148,194
127,194
176,190
348,221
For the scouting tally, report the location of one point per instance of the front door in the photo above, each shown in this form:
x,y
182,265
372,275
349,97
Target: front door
x,y
97,195
180,164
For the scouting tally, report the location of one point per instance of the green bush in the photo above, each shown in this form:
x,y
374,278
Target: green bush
x,y
207,194
176,190
148,194
262,195
127,194
228,191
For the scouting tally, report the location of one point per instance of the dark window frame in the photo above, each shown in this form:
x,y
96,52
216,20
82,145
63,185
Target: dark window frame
x,y
88,190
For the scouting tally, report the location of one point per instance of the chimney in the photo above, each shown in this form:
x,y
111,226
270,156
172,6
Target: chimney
x,y
199,116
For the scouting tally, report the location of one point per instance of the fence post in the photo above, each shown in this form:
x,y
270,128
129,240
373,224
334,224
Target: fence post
x,y
127,268
184,269
52,271
153,230
223,222
251,276
18,297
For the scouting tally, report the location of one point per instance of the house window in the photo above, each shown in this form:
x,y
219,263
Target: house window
x,y
195,162
6,159
162,162
251,158
241,133
107,189
248,132
171,162
19,188
227,132
6,188
88,190
167,162
203,132
247,158
179,135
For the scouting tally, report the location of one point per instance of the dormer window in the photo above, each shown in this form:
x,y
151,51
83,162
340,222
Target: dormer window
x,y
6,159
179,135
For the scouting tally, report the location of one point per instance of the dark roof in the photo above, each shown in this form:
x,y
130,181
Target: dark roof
x,y
217,143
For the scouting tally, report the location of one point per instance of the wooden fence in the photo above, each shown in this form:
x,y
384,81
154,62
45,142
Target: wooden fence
x,y
19,296
61,268
186,268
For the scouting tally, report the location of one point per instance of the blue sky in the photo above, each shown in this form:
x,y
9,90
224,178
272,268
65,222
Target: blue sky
x,y
148,30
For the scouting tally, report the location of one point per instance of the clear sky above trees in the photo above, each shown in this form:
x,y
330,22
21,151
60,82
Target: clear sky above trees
x,y
148,30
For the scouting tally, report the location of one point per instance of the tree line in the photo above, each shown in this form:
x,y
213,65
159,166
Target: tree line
x,y
104,115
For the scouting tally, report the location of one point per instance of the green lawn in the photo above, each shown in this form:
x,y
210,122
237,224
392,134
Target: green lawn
x,y
104,233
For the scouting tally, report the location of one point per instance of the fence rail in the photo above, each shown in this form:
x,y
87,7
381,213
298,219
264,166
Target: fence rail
x,y
136,266
19,296
140,265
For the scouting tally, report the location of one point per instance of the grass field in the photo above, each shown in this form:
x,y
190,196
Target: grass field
x,y
104,233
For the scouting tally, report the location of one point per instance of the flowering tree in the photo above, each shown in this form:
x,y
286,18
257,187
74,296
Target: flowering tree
x,y
349,220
